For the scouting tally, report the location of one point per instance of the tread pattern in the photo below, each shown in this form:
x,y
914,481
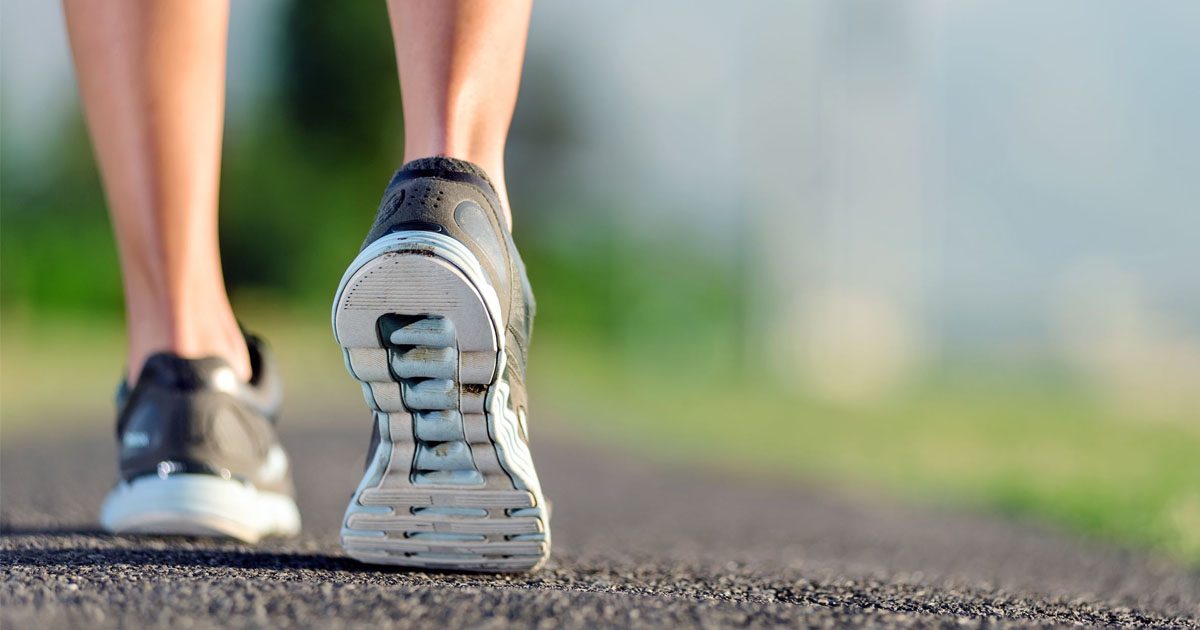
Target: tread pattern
x,y
436,493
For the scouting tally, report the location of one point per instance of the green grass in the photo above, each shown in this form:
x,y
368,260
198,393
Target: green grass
x,y
1022,443
1029,443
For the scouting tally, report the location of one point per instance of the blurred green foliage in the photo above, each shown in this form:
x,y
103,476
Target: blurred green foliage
x,y
56,249
302,176
1033,444
304,169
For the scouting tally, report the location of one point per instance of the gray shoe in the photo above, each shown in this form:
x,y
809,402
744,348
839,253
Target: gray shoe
x,y
434,317
198,452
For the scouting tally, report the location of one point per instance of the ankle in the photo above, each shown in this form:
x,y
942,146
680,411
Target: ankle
x,y
234,352
191,338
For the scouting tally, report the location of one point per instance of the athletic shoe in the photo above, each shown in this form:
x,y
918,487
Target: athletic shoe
x,y
198,452
434,317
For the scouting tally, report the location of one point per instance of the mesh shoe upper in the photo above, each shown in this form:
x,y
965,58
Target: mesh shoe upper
x,y
195,416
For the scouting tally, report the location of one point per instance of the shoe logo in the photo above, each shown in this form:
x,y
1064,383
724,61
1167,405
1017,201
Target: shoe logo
x,y
474,223
393,206
135,439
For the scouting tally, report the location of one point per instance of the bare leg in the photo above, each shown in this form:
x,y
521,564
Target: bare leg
x,y
460,67
152,77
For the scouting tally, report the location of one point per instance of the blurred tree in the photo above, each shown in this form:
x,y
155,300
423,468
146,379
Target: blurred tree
x,y
56,247
339,86
310,168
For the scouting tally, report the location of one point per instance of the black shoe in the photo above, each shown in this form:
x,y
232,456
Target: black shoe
x,y
434,316
198,452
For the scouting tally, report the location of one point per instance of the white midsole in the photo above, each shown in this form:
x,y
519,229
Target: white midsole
x,y
190,504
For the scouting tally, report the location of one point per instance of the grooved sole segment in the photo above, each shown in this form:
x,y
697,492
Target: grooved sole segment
x,y
439,426
410,545
462,525
425,361
434,561
508,499
444,456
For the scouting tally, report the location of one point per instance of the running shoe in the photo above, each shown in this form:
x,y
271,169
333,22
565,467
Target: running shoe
x,y
198,452
434,318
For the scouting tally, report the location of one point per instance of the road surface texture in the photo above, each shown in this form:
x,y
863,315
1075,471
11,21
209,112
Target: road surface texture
x,y
636,544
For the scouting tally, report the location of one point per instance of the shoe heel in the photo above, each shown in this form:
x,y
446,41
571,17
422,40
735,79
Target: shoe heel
x,y
418,324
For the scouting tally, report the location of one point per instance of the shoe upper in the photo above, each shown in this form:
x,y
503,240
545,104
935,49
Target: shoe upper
x,y
195,416
457,199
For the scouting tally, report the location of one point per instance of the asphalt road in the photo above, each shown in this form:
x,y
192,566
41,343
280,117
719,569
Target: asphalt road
x,y
637,544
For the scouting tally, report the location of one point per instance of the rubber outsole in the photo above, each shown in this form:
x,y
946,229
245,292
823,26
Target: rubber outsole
x,y
451,484
198,505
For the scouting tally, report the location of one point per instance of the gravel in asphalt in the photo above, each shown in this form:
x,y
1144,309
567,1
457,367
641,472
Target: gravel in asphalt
x,y
637,544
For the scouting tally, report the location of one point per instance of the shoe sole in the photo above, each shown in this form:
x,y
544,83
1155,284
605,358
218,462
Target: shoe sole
x,y
198,505
451,484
